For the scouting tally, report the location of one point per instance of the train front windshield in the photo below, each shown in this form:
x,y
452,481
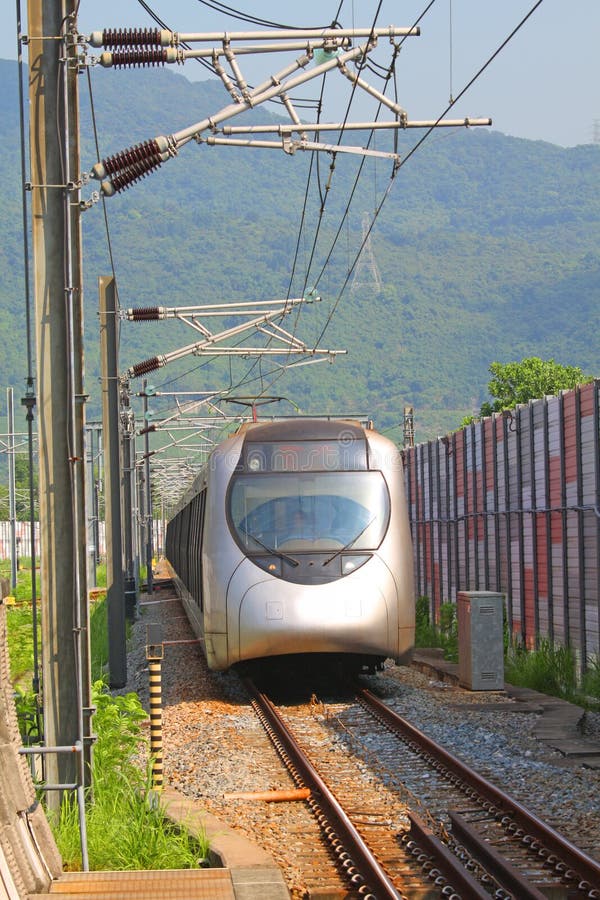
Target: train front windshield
x,y
309,511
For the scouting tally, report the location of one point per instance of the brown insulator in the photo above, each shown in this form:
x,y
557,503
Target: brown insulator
x,y
140,57
148,365
131,37
125,178
144,314
147,151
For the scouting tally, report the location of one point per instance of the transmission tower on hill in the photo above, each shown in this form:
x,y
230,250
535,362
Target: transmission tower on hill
x,y
366,273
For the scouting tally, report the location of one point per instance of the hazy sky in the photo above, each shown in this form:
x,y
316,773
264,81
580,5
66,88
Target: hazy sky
x,y
544,85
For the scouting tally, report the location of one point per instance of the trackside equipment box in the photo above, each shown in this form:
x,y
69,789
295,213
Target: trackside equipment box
x,y
480,640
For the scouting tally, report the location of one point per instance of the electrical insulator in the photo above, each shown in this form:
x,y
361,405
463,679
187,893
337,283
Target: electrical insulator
x,y
144,314
123,180
130,37
148,365
147,152
131,165
140,57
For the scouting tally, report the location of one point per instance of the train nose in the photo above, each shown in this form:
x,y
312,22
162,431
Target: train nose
x,y
311,621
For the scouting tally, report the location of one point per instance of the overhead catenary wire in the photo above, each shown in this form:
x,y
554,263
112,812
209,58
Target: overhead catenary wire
x,y
244,17
324,194
397,167
390,70
411,153
472,81
305,103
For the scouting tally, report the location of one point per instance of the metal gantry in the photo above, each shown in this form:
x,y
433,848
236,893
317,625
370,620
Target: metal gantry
x,y
322,50
259,317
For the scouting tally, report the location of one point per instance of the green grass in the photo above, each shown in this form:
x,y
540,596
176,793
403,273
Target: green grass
x,y
20,642
550,668
444,635
591,680
22,592
125,826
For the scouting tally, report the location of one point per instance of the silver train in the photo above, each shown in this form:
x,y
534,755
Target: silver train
x,y
294,539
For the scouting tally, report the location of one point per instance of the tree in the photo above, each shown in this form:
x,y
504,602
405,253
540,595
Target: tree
x,y
517,382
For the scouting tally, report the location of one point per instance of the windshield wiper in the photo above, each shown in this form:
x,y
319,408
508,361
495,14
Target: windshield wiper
x,y
289,559
351,541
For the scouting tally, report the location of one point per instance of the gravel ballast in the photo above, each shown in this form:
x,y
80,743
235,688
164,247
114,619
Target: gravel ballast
x,y
213,743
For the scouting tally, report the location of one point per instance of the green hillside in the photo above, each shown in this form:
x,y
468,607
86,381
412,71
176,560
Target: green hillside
x,y
488,249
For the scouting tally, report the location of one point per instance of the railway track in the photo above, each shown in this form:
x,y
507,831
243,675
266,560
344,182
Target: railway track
x,y
526,855
415,821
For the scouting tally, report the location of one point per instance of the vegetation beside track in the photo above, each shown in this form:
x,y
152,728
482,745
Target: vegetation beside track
x,y
125,826
549,668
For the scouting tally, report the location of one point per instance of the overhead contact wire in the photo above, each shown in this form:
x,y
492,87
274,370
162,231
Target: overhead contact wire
x,y
413,150
469,84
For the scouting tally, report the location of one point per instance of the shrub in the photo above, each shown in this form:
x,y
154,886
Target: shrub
x,y
550,669
126,827
430,635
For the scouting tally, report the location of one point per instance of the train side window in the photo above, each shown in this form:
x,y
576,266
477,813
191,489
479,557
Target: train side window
x,y
194,543
201,513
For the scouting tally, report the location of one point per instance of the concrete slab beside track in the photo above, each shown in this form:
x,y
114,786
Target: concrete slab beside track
x,y
559,723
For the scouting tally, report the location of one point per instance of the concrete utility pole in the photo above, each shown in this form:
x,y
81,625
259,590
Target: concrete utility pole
x,y
54,160
148,489
115,583
12,503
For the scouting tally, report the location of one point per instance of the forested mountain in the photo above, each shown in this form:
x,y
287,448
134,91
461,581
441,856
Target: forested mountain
x,y
488,249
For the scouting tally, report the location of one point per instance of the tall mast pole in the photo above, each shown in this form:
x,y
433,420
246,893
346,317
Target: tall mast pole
x,y
56,229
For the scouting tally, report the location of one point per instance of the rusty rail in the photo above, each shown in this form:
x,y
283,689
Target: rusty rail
x,y
579,864
367,869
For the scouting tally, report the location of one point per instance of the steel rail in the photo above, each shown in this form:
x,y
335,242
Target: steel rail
x,y
303,771
502,870
587,869
446,863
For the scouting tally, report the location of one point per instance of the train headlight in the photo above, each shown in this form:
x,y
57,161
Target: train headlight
x,y
351,562
271,564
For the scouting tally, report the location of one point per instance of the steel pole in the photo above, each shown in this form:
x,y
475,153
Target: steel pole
x,y
127,496
149,513
90,520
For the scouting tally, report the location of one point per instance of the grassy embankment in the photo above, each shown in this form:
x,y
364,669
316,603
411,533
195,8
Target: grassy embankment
x,y
125,827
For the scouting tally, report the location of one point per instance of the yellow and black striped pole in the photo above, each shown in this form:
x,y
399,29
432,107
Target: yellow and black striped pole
x,y
154,655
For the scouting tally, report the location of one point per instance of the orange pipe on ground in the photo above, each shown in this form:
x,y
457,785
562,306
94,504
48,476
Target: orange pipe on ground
x,y
270,796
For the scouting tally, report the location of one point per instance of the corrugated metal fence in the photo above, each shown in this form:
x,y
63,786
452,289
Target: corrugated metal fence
x,y
512,504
